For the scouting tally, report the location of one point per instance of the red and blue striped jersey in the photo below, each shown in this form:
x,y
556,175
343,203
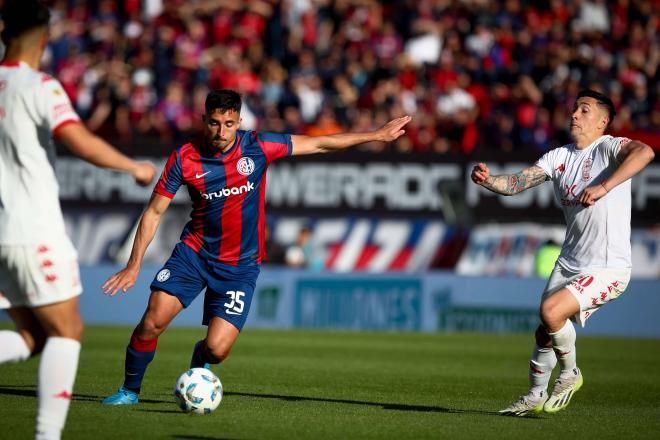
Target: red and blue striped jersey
x,y
228,192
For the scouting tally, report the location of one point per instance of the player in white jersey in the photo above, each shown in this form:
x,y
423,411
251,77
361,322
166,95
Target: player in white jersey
x,y
39,284
591,179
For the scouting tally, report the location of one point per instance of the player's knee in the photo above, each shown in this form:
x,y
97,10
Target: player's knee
x,y
549,314
542,337
219,352
77,329
72,328
150,328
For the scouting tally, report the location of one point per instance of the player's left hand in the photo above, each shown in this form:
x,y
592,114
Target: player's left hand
x,y
393,129
592,194
122,280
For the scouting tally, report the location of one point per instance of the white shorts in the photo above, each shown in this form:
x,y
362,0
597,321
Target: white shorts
x,y
591,288
38,275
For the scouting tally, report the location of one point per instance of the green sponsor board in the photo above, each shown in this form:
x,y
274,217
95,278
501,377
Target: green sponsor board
x,y
359,303
490,319
268,299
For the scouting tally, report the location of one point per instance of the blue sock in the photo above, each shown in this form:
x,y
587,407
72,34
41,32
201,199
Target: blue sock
x,y
198,359
135,367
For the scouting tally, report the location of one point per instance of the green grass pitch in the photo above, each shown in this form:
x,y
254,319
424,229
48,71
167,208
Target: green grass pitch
x,y
343,385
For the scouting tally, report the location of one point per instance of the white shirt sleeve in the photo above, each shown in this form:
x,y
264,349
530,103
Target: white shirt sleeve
x,y
613,148
546,163
54,104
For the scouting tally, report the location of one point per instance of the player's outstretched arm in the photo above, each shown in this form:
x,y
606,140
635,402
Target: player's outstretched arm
x,y
95,150
325,144
633,158
508,184
125,279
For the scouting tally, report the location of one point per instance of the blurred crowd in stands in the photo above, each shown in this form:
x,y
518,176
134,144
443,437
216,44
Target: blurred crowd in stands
x,y
475,74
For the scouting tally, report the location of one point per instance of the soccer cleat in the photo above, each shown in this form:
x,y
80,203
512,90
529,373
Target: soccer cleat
x,y
524,405
121,397
563,392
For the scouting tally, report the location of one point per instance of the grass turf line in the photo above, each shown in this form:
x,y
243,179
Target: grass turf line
x,y
318,384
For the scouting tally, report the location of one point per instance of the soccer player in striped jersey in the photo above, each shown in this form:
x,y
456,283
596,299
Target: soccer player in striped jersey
x,y
222,246
591,180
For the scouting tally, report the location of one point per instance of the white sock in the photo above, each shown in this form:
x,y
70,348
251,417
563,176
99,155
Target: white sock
x,y
14,348
540,368
563,343
57,373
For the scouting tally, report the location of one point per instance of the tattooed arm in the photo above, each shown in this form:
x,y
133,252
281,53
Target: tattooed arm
x,y
508,184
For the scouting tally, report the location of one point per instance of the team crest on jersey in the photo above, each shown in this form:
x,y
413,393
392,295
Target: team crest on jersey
x,y
163,275
245,166
586,169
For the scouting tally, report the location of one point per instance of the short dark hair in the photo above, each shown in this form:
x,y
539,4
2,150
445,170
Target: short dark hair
x,y
20,16
603,101
224,100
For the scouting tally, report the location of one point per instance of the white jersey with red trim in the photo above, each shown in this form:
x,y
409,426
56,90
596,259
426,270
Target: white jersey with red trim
x,y
597,236
33,106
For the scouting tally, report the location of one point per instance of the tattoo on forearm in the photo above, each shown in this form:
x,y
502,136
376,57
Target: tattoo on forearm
x,y
509,184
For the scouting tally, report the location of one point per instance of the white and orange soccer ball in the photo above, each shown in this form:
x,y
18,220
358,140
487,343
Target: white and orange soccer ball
x,y
198,390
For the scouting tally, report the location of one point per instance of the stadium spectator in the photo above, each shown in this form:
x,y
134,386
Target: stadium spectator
x,y
39,280
559,46
591,179
300,253
173,117
222,245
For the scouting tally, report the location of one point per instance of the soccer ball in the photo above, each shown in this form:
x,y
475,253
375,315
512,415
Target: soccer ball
x,y
198,390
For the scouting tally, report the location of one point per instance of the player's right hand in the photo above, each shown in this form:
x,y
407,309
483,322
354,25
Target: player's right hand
x,y
122,280
144,173
480,173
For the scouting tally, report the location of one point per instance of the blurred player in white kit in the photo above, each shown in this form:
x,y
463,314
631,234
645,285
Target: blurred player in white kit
x,y
591,180
39,280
